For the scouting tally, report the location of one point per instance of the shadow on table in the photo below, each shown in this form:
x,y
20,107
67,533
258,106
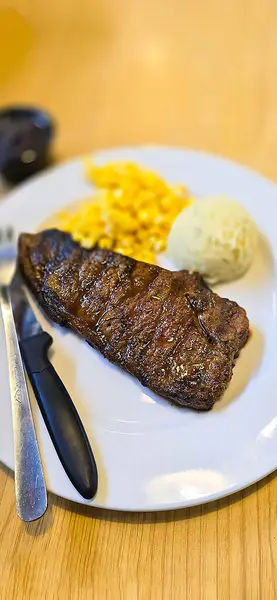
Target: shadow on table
x,y
40,527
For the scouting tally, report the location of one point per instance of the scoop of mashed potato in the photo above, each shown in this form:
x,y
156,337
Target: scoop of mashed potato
x,y
214,236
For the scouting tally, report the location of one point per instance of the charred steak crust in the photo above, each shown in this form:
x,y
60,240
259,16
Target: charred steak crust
x,y
166,328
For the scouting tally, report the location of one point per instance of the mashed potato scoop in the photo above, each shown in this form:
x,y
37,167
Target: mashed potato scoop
x,y
214,236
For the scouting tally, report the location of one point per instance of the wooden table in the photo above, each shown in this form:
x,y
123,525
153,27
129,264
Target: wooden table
x,y
184,72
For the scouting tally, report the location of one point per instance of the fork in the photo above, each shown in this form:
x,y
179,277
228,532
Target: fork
x,y
30,490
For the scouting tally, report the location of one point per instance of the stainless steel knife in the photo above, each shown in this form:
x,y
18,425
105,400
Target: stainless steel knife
x,y
60,415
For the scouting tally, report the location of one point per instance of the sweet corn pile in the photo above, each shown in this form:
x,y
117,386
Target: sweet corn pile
x,y
131,212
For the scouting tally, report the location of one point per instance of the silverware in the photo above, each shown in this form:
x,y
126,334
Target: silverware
x,y
60,415
30,490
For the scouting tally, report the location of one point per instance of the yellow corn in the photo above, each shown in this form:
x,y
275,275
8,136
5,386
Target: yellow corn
x,y
131,212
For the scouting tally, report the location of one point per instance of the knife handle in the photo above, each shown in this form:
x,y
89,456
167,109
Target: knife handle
x,y
60,415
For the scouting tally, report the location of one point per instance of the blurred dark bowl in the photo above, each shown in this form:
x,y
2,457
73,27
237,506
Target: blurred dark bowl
x,y
26,134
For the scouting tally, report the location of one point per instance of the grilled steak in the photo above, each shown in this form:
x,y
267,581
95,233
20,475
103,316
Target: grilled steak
x,y
166,328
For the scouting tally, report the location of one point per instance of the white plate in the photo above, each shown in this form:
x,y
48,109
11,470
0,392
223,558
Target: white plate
x,y
151,455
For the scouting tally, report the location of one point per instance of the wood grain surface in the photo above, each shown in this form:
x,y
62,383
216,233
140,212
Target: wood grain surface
x,y
196,73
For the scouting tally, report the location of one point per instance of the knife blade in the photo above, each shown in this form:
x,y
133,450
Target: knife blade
x,y
59,413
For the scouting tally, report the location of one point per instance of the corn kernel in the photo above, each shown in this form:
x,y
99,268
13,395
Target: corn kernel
x,y
124,251
126,222
143,216
87,242
106,243
159,246
145,256
126,242
166,203
77,236
180,190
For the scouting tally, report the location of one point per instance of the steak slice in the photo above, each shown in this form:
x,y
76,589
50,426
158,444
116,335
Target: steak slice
x,y
166,328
